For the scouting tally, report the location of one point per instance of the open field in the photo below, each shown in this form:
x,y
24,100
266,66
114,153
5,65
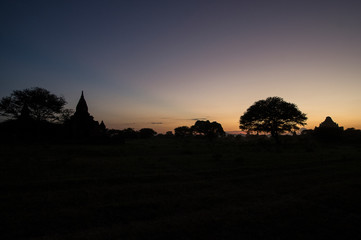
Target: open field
x,y
180,189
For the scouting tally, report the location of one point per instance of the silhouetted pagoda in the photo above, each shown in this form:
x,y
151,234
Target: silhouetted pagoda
x,y
82,124
328,129
329,123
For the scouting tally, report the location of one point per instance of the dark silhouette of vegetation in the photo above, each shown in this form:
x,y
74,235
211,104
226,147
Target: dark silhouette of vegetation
x,y
183,131
30,131
201,128
147,133
169,134
274,116
208,129
36,103
130,133
352,135
66,115
34,115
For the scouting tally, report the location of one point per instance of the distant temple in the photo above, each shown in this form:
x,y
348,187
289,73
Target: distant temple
x,y
328,130
82,124
329,123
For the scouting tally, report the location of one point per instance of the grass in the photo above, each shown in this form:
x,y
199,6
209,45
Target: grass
x,y
180,189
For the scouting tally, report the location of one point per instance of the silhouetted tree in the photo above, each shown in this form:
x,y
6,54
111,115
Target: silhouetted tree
x,y
169,134
147,133
129,133
182,131
208,129
273,115
66,115
352,135
37,103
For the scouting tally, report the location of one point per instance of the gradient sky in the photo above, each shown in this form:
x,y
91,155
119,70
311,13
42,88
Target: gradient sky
x,y
163,64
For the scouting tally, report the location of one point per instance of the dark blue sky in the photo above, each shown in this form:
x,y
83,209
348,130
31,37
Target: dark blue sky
x,y
144,62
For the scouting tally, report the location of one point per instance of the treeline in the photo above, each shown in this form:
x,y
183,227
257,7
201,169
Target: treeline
x,y
350,135
201,128
130,133
205,129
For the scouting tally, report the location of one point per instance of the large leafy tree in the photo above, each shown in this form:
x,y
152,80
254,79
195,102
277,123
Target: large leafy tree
x,y
182,131
208,129
274,116
147,133
38,103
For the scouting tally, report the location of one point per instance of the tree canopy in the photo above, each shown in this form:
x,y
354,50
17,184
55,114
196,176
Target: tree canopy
x,y
182,131
202,128
37,103
147,133
272,115
208,129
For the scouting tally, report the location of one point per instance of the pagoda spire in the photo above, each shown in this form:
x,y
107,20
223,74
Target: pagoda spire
x,y
329,123
82,106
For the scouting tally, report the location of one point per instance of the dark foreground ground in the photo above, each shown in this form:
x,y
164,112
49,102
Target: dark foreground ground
x,y
180,189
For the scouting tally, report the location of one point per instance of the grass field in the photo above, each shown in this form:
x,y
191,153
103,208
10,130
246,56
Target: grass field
x,y
180,189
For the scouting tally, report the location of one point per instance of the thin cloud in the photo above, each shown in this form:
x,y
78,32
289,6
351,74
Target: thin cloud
x,y
130,123
186,119
198,119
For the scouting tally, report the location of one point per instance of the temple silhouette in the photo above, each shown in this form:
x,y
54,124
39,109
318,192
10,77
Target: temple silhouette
x,y
82,125
329,123
328,130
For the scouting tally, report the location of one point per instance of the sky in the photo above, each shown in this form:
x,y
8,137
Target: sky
x,y
164,64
